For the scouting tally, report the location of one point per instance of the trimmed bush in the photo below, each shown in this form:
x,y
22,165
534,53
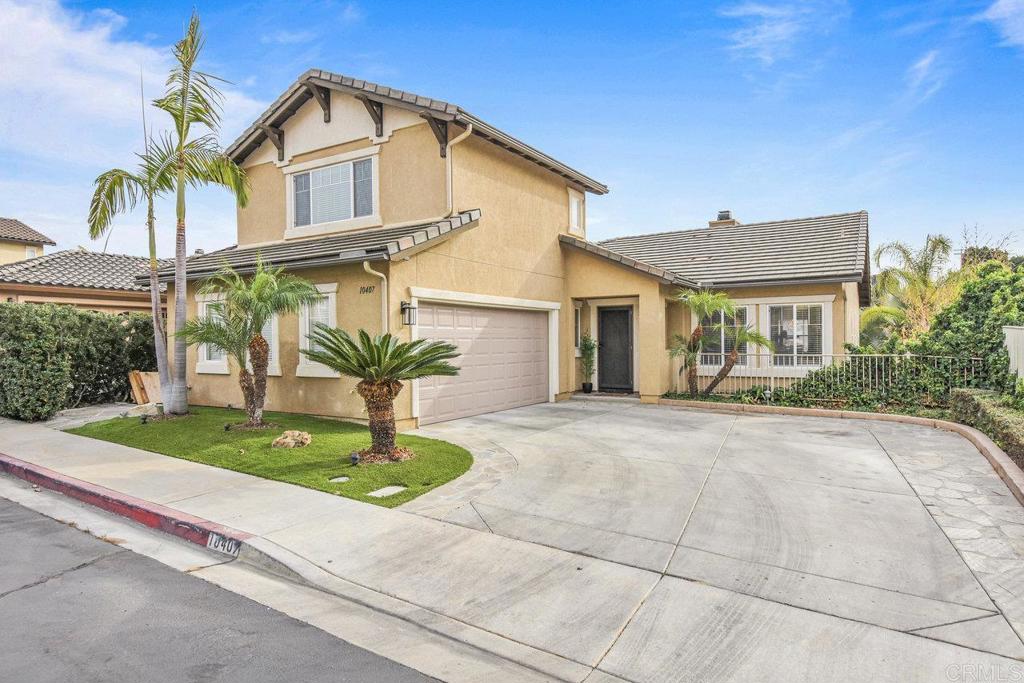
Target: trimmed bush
x,y
986,411
55,357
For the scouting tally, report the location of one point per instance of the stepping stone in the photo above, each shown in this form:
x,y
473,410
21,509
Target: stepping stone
x,y
340,480
386,491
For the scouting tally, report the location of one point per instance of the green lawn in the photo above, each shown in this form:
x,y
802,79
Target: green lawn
x,y
201,438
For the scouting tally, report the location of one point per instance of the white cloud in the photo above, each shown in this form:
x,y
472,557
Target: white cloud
x,y
72,107
287,37
925,77
1008,17
771,31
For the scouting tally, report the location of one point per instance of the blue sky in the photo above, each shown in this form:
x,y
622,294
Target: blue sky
x,y
773,109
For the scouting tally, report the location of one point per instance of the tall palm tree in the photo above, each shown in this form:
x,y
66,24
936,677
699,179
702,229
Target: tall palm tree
x,y
908,293
192,98
244,306
702,304
380,364
119,191
741,337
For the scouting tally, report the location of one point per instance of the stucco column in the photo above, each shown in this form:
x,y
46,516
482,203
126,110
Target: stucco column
x,y
651,330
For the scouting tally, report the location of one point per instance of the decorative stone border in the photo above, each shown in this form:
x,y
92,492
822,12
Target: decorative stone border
x,y
1008,471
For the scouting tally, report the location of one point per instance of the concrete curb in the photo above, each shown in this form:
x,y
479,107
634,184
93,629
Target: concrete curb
x,y
202,532
1008,471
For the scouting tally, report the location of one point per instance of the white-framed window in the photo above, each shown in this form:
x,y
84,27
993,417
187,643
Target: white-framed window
x,y
211,360
720,336
271,333
324,311
339,192
797,332
577,213
31,252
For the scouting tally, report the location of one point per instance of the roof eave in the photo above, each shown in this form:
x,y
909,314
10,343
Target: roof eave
x,y
664,276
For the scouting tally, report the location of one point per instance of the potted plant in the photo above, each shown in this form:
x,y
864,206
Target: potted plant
x,y
588,349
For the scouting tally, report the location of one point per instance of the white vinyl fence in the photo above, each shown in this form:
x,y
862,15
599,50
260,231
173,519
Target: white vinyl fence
x,y
1013,339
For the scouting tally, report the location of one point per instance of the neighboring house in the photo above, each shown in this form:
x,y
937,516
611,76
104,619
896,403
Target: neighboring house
x,y
19,242
415,217
77,277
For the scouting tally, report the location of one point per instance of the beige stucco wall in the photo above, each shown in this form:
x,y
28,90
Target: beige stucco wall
x,y
15,251
92,300
329,396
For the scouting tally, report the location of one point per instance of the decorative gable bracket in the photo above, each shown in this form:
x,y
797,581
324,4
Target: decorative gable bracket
x,y
322,97
376,111
440,130
276,136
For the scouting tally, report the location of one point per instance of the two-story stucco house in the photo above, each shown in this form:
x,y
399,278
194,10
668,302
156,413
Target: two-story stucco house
x,y
19,242
415,217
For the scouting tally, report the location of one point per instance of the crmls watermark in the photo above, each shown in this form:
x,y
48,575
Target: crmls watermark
x,y
985,673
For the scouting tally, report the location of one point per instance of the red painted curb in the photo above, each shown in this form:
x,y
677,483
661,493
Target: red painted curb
x,y
196,530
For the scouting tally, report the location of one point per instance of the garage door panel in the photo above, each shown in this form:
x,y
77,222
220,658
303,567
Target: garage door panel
x,y
503,362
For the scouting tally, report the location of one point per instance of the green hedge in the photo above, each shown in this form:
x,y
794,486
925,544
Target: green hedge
x,y
55,357
987,412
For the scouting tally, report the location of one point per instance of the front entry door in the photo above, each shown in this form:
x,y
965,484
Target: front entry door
x,y
615,349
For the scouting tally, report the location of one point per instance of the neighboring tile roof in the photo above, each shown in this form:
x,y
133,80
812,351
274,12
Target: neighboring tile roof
x,y
374,244
13,230
665,276
823,248
81,268
298,93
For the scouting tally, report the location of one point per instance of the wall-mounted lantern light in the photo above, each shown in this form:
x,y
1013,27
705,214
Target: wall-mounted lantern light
x,y
408,313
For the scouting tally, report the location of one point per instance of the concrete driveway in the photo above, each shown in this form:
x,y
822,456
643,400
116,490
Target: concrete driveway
x,y
788,548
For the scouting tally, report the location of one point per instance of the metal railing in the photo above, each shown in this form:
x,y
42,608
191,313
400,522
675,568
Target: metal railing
x,y
839,378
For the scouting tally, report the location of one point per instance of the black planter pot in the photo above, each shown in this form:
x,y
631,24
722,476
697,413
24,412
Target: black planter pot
x,y
588,387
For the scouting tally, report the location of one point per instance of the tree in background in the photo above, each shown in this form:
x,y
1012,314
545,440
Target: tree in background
x,y
191,99
702,304
907,294
380,364
244,307
976,248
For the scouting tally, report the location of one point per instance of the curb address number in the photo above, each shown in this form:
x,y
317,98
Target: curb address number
x,y
223,544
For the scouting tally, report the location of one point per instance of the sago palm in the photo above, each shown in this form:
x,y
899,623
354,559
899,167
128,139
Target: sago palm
x,y
191,98
244,306
918,284
702,304
381,364
740,337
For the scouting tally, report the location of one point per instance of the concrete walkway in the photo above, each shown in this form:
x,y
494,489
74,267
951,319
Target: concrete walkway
x,y
626,542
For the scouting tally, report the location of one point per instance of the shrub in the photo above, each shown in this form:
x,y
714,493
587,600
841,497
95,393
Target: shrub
x,y
55,357
985,411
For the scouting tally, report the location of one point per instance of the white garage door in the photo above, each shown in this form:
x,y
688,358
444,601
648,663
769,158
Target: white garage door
x,y
504,361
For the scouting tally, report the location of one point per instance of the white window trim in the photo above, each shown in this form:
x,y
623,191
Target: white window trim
x,y
581,229
306,367
417,294
274,368
709,369
31,252
203,366
826,332
373,220
577,327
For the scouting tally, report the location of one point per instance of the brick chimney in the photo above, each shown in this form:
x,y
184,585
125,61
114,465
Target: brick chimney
x,y
724,220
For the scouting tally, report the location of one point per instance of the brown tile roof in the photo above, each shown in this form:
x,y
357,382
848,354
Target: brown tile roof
x,y
375,244
81,268
298,93
819,249
13,230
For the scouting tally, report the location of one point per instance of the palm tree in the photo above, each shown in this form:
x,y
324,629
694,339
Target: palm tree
x,y
380,364
702,304
244,307
191,98
118,191
741,337
909,293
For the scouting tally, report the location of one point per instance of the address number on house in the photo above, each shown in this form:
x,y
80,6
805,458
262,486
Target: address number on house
x,y
223,544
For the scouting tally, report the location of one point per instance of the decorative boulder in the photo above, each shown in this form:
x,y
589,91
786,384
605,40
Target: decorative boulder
x,y
292,439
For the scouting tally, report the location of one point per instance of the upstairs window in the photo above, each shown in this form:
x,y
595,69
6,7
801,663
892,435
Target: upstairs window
x,y
576,213
30,252
333,193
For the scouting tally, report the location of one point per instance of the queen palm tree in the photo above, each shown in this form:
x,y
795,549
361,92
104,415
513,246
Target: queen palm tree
x,y
741,336
702,304
380,364
908,293
191,98
244,306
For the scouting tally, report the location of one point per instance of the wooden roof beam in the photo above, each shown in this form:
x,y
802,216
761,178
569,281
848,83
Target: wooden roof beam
x,y
376,111
276,136
322,97
440,130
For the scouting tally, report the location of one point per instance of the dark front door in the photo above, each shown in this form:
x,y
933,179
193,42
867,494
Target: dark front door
x,y
615,349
